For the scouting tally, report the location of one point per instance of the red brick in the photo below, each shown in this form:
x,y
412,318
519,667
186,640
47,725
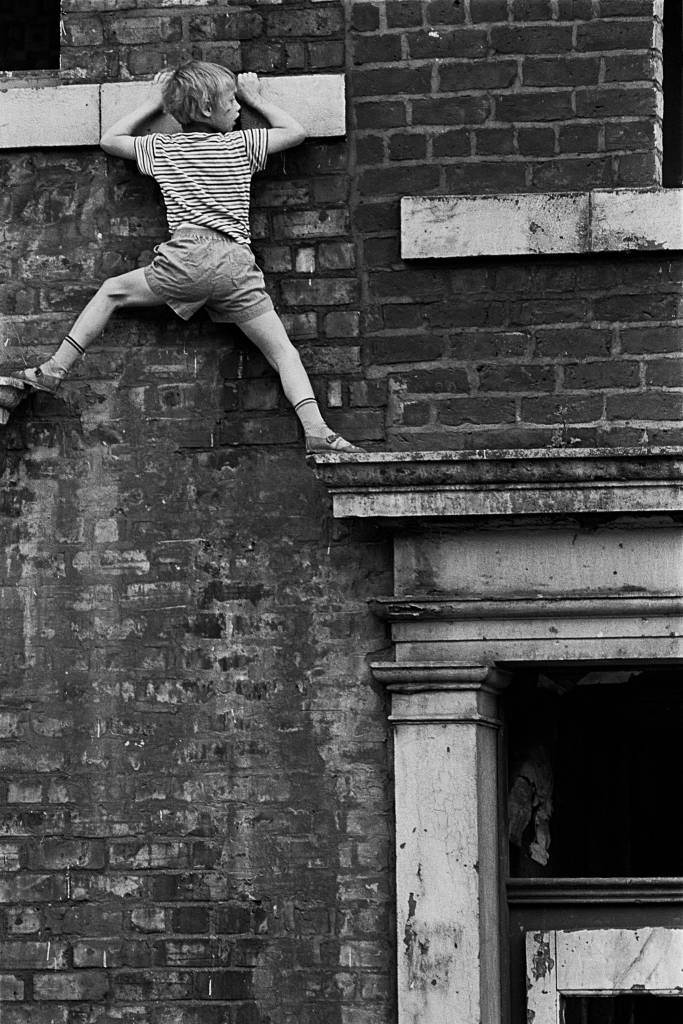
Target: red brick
x,y
391,82
610,102
554,39
565,408
481,74
547,105
532,10
377,49
145,30
536,141
407,147
572,343
652,406
630,135
447,44
579,138
490,176
614,35
520,379
637,170
664,373
444,12
489,10
458,411
448,111
364,17
11,988
325,55
404,13
494,141
329,291
392,180
630,67
652,340
452,143
325,21
77,985
555,72
602,375
387,114
61,853
434,381
574,174
311,223
402,349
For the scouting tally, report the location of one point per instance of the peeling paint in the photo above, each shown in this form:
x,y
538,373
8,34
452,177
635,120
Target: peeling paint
x,y
541,963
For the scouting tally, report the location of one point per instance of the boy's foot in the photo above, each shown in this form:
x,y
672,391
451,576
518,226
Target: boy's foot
x,y
318,445
39,381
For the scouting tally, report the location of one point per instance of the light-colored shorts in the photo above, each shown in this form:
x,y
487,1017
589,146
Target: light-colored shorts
x,y
200,267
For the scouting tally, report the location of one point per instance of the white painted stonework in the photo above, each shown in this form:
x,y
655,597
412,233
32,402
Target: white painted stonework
x,y
500,557
495,225
447,878
636,219
65,116
317,101
76,115
600,962
603,220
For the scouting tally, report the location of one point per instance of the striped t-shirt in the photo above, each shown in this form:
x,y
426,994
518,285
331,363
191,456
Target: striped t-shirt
x,y
205,178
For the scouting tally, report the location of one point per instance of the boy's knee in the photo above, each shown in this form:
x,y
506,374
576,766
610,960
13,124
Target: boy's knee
x,y
115,291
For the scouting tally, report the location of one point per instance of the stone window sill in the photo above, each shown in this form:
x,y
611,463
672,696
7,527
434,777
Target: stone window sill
x,y
532,224
49,115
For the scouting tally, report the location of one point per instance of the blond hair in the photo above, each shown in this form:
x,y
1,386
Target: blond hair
x,y
193,87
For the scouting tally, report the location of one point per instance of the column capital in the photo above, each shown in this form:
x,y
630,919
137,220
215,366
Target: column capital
x,y
423,692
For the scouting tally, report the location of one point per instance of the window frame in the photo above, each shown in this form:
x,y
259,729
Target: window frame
x,y
563,963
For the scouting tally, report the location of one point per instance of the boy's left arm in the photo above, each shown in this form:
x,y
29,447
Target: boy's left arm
x,y
119,140
284,130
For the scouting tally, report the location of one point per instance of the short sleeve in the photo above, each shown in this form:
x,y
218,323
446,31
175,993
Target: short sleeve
x,y
256,146
144,152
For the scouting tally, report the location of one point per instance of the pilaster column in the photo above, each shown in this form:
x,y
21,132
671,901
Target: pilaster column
x,y
445,720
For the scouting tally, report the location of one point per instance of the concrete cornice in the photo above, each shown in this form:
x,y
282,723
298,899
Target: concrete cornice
x,y
410,485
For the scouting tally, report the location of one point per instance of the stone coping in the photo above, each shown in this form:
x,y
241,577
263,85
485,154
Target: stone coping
x,y
537,481
76,115
529,224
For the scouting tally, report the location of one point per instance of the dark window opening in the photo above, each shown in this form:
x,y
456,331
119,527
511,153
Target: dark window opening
x,y
594,778
29,35
639,1009
672,124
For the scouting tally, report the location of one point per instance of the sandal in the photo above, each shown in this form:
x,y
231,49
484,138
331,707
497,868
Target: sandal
x,y
39,381
318,445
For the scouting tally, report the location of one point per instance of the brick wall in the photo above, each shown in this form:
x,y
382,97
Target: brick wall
x,y
490,96
195,821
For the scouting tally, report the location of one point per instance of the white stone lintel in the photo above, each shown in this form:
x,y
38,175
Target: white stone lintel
x,y
529,224
426,485
76,115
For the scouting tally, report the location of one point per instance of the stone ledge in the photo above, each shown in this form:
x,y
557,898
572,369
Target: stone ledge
x,y
539,481
76,115
530,224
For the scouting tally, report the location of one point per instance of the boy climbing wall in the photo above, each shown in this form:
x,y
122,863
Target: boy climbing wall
x,y
204,174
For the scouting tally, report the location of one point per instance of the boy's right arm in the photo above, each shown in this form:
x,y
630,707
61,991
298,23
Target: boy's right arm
x,y
119,140
284,131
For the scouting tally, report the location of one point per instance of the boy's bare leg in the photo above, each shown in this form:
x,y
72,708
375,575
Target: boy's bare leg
x,y
127,290
268,333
